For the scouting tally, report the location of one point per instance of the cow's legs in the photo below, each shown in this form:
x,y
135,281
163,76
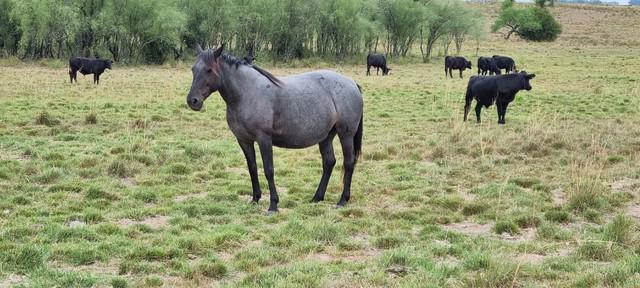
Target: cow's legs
x,y
504,112
377,70
460,73
266,151
478,110
368,70
95,78
451,72
250,155
328,162
499,109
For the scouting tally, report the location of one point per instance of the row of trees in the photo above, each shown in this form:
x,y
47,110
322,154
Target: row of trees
x,y
152,31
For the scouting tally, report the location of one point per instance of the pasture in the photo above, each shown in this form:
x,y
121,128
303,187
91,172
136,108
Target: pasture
x,y
121,185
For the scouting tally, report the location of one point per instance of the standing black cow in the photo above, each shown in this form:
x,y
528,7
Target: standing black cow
x,y
486,65
504,62
378,61
500,89
88,66
457,63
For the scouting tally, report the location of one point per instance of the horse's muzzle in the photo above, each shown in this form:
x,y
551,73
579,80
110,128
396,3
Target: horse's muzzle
x,y
194,103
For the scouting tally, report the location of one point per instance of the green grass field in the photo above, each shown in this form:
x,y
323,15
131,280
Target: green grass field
x,y
122,185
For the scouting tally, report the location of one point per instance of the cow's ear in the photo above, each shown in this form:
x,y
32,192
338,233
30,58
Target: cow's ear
x,y
218,51
531,76
198,48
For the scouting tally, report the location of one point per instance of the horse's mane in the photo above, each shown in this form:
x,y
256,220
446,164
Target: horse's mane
x,y
233,61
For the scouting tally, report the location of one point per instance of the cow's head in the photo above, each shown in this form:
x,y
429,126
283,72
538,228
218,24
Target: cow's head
x,y
526,77
468,66
206,76
385,70
107,63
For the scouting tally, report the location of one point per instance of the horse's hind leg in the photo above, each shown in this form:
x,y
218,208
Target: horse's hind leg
x,y
250,155
328,162
348,151
266,151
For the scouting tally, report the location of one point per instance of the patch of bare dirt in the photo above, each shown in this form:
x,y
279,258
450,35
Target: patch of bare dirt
x,y
634,210
624,185
97,268
526,234
12,280
558,196
361,256
155,222
469,228
320,257
238,170
530,258
127,181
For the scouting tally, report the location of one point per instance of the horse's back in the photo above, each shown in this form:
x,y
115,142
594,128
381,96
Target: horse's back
x,y
344,92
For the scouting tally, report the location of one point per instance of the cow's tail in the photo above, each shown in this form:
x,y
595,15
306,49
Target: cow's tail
x,y
468,98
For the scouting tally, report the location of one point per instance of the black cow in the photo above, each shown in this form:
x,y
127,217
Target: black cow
x,y
379,61
88,66
500,89
504,62
486,65
457,63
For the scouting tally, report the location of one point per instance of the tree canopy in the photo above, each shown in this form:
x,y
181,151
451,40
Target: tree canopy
x,y
154,31
530,23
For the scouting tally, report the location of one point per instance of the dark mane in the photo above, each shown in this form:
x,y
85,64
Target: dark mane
x,y
233,61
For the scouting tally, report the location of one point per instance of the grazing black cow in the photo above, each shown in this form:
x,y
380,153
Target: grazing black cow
x,y
504,62
486,65
378,61
88,66
457,63
500,89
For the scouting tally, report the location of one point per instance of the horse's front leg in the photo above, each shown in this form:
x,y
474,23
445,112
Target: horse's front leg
x,y
266,151
250,156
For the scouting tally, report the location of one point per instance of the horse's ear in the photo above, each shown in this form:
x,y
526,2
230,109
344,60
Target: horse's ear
x,y
218,51
198,48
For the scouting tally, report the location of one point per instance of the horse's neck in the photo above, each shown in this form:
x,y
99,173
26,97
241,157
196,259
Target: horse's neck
x,y
235,81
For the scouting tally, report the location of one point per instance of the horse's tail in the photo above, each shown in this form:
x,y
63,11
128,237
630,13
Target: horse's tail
x,y
357,139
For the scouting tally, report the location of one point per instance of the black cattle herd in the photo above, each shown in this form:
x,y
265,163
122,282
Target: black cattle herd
x,y
495,87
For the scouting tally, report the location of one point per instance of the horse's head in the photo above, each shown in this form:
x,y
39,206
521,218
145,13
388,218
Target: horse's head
x,y
206,77
526,76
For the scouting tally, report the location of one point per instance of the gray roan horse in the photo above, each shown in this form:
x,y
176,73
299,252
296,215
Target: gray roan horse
x,y
292,112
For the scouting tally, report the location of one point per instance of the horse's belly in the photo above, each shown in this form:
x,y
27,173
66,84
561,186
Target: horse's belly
x,y
301,138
